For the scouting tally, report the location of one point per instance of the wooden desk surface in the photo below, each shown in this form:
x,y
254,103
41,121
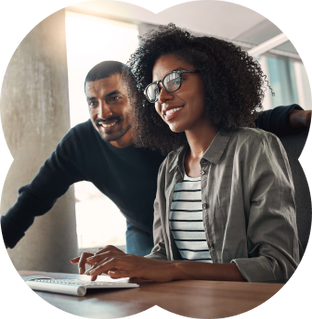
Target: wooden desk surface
x,y
190,298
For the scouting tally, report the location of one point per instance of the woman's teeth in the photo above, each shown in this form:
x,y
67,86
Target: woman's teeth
x,y
168,113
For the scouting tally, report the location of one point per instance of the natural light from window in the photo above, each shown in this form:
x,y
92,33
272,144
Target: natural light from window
x,y
91,40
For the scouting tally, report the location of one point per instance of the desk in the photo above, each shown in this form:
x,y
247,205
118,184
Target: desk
x,y
190,298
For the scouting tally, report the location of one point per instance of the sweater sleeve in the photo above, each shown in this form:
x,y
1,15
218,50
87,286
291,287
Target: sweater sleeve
x,y
277,120
54,178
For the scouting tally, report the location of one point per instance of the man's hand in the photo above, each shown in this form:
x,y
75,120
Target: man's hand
x,y
83,259
299,120
308,118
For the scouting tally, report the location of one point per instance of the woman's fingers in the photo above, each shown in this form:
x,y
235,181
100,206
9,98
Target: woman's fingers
x,y
117,273
75,260
104,254
120,266
108,248
82,261
108,264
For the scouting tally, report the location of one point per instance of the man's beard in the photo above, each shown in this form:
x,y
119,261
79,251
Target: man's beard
x,y
115,135
122,132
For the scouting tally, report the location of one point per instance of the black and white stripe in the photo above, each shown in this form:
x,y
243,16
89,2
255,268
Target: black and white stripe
x,y
186,222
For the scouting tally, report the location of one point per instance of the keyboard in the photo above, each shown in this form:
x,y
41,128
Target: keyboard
x,y
76,287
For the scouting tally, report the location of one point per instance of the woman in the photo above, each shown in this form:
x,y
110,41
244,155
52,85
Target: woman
x,y
224,208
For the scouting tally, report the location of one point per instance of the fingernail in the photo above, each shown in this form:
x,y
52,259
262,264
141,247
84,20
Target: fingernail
x,y
91,271
80,271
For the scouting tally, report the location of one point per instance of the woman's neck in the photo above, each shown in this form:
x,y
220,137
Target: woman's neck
x,y
199,140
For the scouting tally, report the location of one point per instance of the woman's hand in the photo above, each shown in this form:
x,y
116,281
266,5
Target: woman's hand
x,y
117,264
82,260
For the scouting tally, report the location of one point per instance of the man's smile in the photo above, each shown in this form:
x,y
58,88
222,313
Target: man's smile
x,y
107,123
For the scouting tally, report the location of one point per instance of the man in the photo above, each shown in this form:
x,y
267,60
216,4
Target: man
x,y
101,151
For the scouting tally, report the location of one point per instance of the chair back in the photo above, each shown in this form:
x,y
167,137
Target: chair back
x,y
294,145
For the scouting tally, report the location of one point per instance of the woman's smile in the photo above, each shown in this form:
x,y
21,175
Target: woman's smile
x,y
171,113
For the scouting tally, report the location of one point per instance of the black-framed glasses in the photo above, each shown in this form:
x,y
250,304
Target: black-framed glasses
x,y
171,82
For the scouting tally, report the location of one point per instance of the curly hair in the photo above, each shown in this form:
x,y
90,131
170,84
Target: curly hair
x,y
233,81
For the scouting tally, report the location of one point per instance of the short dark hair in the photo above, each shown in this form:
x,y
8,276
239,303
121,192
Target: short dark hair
x,y
233,81
104,70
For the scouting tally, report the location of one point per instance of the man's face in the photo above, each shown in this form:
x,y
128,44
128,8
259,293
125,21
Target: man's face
x,y
109,108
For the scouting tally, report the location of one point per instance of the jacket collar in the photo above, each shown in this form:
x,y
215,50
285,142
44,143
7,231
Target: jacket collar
x,y
212,154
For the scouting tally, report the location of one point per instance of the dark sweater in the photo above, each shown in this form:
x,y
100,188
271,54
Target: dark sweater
x,y
128,176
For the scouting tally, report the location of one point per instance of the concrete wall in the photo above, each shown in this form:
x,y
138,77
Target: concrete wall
x,y
35,116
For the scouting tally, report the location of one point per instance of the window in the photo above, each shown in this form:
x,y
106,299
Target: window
x,y
91,40
289,81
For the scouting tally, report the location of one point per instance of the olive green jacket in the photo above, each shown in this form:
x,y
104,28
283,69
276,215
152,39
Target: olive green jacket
x,y
247,201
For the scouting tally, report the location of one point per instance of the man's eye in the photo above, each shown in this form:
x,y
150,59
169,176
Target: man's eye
x,y
92,104
114,98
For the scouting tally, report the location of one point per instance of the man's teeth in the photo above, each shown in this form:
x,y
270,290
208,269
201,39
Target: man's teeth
x,y
108,124
173,110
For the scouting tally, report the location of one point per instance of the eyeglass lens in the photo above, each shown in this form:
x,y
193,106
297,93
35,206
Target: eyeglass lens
x,y
152,92
171,83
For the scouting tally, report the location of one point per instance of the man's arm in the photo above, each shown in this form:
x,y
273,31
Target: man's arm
x,y
52,181
284,120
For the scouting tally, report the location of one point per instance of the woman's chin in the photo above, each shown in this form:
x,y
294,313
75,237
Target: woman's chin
x,y
176,128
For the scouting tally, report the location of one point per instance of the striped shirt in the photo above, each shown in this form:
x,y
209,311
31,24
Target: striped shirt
x,y
186,222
